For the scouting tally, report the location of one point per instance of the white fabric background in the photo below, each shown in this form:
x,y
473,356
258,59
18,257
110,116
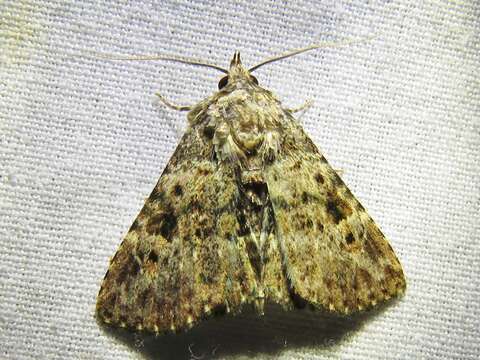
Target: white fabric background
x,y
83,141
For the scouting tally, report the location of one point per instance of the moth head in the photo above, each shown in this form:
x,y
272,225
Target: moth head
x,y
236,73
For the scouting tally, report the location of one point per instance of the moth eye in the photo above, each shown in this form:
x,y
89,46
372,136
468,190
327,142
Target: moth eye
x,y
254,79
223,82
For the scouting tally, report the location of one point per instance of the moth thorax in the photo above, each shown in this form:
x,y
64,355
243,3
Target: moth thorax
x,y
240,141
258,139
248,129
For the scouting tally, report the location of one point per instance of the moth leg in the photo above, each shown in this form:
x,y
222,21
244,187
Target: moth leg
x,y
305,106
172,105
340,172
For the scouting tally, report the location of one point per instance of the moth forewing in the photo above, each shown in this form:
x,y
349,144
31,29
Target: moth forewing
x,y
247,211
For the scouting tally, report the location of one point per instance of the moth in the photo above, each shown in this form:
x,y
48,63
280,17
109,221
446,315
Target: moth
x,y
247,211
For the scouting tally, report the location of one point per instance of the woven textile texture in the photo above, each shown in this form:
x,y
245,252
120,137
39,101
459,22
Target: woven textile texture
x,y
83,141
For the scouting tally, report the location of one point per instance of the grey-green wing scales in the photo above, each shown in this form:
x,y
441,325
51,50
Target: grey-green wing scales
x,y
181,259
335,255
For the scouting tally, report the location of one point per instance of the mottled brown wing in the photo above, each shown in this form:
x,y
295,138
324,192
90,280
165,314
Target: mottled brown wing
x,y
180,260
335,255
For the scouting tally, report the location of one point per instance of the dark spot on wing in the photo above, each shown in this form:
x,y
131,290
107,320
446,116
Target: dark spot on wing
x,y
152,256
338,208
334,211
319,178
135,267
252,153
349,238
203,232
194,206
309,223
305,197
130,268
163,224
203,172
319,226
178,190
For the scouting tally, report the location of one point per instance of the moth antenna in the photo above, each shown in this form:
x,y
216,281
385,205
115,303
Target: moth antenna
x,y
308,48
161,57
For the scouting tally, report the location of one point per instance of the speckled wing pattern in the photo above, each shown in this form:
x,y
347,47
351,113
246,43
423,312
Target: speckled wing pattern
x,y
247,211
180,261
336,256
